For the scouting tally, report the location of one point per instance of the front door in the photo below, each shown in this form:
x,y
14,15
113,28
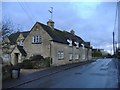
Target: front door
x,y
16,55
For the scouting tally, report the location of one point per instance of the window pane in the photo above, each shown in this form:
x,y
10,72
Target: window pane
x,y
60,55
77,56
33,39
70,56
36,39
40,39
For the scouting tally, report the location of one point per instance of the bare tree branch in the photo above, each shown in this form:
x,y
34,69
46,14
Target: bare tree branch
x,y
7,28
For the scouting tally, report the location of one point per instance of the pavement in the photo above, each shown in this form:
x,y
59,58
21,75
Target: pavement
x,y
24,79
24,72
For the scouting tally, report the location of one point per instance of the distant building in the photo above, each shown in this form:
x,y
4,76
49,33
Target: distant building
x,y
62,46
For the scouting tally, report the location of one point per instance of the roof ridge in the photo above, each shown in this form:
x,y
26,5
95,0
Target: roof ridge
x,y
24,31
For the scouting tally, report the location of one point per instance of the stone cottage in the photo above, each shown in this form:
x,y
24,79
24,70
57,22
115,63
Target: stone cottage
x,y
61,46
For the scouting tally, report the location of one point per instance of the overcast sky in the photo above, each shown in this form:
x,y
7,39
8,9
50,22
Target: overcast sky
x,y
92,21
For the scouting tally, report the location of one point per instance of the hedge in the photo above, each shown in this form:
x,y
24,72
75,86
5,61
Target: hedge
x,y
36,64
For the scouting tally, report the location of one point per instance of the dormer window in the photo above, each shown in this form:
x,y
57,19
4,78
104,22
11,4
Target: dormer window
x,y
20,43
70,42
36,39
82,45
77,44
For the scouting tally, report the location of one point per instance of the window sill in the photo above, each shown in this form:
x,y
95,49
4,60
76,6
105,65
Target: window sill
x,y
36,43
76,59
61,59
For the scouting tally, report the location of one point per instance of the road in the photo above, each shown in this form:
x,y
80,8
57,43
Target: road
x,y
99,74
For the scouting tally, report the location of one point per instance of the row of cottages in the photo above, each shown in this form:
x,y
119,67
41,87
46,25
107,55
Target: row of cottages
x,y
61,46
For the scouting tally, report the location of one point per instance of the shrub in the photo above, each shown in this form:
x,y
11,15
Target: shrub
x,y
47,61
36,64
36,58
26,64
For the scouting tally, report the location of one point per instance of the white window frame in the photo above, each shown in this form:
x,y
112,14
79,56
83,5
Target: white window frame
x,y
77,56
83,46
21,42
36,39
77,44
70,42
83,57
70,56
60,55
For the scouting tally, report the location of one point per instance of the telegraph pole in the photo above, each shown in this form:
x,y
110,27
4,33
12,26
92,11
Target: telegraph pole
x,y
113,43
118,51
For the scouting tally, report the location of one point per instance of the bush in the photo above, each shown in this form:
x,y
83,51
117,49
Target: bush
x,y
36,58
36,64
47,61
26,64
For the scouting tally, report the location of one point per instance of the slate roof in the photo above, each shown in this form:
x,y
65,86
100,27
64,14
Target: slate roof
x,y
25,34
56,34
22,51
13,37
62,36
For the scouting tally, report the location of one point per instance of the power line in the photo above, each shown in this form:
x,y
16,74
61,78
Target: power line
x,y
29,16
27,6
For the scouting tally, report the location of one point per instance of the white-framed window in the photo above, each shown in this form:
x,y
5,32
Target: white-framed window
x,y
21,42
60,55
70,56
83,46
77,56
36,39
83,57
70,42
77,44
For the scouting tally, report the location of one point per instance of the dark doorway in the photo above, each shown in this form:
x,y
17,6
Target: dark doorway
x,y
16,55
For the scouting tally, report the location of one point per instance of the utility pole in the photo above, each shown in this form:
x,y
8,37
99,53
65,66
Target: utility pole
x,y
118,52
113,43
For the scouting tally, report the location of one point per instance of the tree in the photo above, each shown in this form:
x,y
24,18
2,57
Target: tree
x,y
6,28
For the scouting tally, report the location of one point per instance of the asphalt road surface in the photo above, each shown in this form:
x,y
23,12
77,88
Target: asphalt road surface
x,y
99,74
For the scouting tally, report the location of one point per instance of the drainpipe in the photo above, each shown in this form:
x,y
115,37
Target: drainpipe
x,y
50,54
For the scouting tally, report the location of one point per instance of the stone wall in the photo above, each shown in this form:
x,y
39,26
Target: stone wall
x,y
42,48
56,47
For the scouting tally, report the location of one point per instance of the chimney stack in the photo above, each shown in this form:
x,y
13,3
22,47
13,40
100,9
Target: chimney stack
x,y
50,23
72,32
